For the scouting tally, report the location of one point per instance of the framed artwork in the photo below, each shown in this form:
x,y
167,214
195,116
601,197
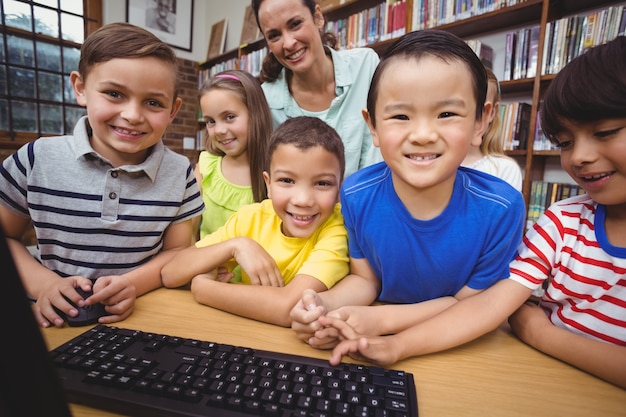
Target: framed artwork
x,y
170,20
217,39
250,30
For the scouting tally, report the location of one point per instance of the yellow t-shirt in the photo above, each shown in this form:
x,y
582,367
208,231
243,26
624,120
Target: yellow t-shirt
x,y
221,197
324,255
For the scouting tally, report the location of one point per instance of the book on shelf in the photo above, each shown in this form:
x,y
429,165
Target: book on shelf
x,y
483,51
521,53
516,125
522,129
509,53
533,51
545,193
557,40
541,141
547,49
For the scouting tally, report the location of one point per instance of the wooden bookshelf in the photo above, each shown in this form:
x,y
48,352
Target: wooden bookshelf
x,y
524,13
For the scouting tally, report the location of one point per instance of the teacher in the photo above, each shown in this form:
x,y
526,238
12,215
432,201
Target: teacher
x,y
304,75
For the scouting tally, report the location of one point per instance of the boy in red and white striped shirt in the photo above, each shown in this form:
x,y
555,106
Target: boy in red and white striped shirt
x,y
579,244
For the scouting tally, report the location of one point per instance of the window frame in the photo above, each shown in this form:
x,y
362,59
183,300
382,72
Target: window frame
x,y
92,18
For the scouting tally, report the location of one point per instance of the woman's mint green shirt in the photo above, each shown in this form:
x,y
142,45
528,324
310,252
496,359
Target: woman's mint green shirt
x,y
354,69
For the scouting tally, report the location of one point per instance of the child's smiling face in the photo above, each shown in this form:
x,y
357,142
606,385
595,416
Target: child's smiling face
x,y
426,121
304,187
130,103
594,155
226,118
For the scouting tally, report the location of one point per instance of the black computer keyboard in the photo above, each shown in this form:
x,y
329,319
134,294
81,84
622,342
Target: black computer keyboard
x,y
147,374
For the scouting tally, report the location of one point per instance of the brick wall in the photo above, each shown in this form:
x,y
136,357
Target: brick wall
x,y
186,122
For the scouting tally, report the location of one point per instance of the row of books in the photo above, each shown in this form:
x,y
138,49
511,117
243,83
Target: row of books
x,y
521,51
253,61
250,62
544,193
431,13
205,74
568,37
515,126
376,24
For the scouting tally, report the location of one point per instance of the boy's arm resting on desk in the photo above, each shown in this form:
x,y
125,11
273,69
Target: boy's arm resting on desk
x,y
147,277
193,261
196,260
380,319
270,304
465,320
602,359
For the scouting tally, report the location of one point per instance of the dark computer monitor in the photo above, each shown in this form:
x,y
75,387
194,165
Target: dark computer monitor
x,y
31,386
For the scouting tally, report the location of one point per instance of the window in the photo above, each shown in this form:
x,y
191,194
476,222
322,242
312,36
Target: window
x,y
39,47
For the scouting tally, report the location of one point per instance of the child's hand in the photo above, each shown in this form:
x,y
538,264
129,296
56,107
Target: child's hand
x,y
53,296
363,320
222,274
117,293
305,314
379,350
219,274
528,321
258,264
345,323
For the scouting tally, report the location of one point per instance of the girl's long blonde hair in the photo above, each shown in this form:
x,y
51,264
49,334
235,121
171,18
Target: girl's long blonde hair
x,y
493,143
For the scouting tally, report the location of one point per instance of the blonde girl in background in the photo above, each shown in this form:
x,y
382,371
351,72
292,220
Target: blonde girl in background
x,y
238,126
489,157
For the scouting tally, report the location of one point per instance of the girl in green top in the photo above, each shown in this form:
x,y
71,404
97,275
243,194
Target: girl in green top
x,y
230,171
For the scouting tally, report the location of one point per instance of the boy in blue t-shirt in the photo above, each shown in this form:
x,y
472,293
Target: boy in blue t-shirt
x,y
423,232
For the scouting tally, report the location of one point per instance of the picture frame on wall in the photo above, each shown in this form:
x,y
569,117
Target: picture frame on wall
x,y
170,20
217,39
250,31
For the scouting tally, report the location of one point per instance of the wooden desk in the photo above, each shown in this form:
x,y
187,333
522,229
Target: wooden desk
x,y
496,375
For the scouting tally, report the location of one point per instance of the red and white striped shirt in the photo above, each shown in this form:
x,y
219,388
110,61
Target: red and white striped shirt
x,y
587,292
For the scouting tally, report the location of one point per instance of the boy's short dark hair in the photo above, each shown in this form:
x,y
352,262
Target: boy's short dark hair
x,y
591,87
431,42
124,40
305,132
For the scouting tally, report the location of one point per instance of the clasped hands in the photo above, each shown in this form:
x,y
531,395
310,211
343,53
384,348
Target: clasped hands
x,y
348,330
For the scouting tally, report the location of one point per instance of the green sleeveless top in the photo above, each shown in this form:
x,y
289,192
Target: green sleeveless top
x,y
221,197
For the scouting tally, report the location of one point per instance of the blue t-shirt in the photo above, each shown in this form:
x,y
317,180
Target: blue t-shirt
x,y
470,243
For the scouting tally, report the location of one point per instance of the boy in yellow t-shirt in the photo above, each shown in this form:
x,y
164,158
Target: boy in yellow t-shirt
x,y
292,241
